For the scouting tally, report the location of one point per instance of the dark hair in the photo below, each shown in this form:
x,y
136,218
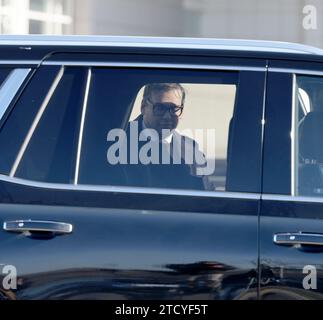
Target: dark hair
x,y
162,87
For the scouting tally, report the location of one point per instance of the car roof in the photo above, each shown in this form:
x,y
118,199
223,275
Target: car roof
x,y
36,48
161,42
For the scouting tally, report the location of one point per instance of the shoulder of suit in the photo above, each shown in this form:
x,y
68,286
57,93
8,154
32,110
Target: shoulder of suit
x,y
186,139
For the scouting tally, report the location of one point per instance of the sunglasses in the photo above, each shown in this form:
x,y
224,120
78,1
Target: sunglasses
x,y
160,108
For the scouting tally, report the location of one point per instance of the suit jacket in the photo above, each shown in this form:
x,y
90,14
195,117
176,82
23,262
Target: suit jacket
x,y
181,175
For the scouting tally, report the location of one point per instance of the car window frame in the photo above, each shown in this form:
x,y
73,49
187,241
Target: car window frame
x,y
144,190
290,68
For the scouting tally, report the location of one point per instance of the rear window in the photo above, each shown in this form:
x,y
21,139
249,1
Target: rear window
x,y
308,142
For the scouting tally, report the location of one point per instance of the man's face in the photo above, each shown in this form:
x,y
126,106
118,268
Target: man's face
x,y
161,120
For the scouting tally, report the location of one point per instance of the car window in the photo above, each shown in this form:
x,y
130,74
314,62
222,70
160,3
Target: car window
x,y
21,115
10,82
4,72
206,120
308,143
137,127
48,153
115,149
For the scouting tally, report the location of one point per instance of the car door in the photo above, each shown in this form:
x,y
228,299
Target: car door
x,y
291,211
73,228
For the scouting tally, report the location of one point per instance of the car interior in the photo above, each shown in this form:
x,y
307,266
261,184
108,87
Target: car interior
x,y
310,133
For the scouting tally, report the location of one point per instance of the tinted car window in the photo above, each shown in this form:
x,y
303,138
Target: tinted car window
x,y
63,128
50,154
22,114
10,82
308,136
116,103
4,72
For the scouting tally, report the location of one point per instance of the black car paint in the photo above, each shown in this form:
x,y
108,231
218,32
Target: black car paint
x,y
134,254
133,245
139,246
283,268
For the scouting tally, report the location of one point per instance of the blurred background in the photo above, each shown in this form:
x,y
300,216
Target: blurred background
x,y
285,20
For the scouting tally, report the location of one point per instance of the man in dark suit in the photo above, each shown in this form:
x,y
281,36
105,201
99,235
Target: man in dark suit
x,y
172,160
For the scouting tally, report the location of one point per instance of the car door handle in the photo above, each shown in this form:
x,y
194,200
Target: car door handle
x,y
298,238
38,226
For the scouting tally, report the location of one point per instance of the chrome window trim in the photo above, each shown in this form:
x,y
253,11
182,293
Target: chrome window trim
x,y
133,190
10,87
297,71
263,116
36,122
152,65
294,140
80,140
288,198
20,62
158,191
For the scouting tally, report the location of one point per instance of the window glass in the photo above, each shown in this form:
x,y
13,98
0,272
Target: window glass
x,y
5,3
308,142
137,127
8,89
158,128
21,116
4,72
38,5
36,26
50,154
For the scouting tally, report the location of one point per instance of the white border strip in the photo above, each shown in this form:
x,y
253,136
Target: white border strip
x,y
79,146
36,121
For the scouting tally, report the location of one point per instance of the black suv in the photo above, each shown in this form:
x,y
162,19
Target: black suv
x,y
86,215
